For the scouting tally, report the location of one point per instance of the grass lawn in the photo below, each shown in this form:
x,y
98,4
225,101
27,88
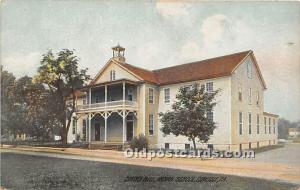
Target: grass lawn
x,y
20,171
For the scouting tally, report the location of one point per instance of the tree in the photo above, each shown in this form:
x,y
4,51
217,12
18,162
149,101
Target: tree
x,y
41,120
61,74
283,128
7,100
190,114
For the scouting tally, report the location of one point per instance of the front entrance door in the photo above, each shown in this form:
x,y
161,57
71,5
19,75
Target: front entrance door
x,y
129,130
97,131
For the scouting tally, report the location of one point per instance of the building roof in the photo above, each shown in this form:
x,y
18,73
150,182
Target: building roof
x,y
294,129
270,114
199,70
205,69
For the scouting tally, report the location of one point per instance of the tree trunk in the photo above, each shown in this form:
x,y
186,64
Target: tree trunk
x,y
194,143
64,135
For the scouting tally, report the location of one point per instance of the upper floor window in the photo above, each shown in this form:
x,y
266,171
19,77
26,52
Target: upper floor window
x,y
151,124
97,98
250,123
257,98
209,86
167,95
240,94
269,125
151,95
240,123
257,124
249,95
112,75
274,130
249,69
130,94
188,87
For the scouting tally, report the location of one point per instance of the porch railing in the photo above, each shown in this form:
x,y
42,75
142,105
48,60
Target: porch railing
x,y
103,105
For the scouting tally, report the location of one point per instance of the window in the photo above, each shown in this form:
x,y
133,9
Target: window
x,y
249,69
257,145
269,125
257,98
167,145
130,94
167,95
151,95
84,101
209,86
151,124
257,124
250,122
97,98
274,130
265,125
249,95
241,123
112,75
74,126
210,116
84,129
202,87
188,87
240,94
249,145
187,146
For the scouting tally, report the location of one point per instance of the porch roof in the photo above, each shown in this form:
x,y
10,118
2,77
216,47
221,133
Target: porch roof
x,y
108,83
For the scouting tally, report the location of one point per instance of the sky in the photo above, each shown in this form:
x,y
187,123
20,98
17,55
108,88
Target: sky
x,y
158,34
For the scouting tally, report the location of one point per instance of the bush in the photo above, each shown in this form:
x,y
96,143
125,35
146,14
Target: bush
x,y
139,142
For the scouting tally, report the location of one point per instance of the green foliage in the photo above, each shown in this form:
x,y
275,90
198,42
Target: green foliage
x,y
25,107
139,142
188,116
62,76
7,101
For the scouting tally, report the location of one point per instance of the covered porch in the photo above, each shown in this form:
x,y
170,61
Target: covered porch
x,y
109,127
110,95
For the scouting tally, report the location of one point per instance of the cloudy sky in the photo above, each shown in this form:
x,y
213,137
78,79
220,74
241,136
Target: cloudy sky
x,y
160,34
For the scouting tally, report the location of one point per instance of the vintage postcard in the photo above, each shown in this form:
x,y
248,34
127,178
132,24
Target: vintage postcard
x,y
129,94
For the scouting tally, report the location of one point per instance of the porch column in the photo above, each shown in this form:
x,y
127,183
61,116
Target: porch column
x,y
86,127
105,126
124,126
90,97
90,127
123,93
105,95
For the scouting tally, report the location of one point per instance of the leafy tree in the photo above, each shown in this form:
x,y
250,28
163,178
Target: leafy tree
x,y
189,114
7,100
41,120
283,128
62,76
